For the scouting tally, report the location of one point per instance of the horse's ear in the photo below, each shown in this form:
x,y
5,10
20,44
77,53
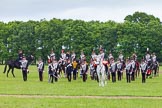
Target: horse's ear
x,y
32,56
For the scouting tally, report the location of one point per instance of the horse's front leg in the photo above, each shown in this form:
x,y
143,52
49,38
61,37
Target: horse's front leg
x,y
8,71
64,70
59,73
13,72
136,72
157,70
105,78
5,68
99,78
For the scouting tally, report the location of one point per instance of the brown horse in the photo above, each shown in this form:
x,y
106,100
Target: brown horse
x,y
137,70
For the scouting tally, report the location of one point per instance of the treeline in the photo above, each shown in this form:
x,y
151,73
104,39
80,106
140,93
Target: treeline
x,y
137,33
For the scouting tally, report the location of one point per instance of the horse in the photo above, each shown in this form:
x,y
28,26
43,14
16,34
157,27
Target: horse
x,y
122,66
101,72
152,69
62,66
79,61
149,69
16,64
93,72
137,70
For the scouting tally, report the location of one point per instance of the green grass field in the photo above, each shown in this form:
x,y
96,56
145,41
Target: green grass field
x,y
14,92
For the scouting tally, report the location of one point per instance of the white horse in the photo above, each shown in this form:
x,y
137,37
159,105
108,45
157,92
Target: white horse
x,y
101,71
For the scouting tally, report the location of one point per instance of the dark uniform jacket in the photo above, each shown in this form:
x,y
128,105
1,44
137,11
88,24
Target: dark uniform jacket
x,y
69,68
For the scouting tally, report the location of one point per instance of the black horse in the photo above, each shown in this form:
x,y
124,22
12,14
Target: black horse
x,y
15,64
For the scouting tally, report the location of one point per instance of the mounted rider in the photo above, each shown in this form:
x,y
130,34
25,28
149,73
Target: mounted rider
x,y
110,57
63,57
134,57
102,57
51,57
73,56
20,58
93,66
148,58
154,59
148,62
93,56
67,56
121,59
102,54
155,64
20,55
82,56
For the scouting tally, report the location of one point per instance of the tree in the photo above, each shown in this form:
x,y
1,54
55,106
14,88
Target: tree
x,y
141,17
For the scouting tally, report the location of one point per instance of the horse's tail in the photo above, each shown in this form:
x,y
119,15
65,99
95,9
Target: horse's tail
x,y
5,68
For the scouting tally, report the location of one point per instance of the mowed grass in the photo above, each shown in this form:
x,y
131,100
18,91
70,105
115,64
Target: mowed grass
x,y
15,102
33,86
16,85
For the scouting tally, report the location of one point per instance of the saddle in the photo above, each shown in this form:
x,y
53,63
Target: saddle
x,y
95,65
105,62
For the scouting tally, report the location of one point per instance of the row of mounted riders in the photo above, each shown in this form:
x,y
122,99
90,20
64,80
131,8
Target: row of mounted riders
x,y
153,68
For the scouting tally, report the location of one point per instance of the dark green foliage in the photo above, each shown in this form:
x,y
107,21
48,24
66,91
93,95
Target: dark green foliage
x,y
139,32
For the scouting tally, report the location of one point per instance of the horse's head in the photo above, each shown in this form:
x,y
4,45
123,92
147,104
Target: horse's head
x,y
99,60
30,58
